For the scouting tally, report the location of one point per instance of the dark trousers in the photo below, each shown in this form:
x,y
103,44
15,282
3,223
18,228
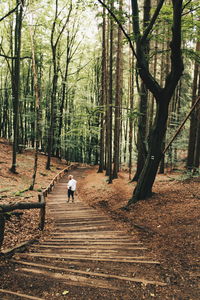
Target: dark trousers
x,y
70,193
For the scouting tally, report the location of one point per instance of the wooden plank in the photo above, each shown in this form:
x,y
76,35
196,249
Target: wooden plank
x,y
194,274
78,280
94,254
74,257
83,228
21,205
115,253
59,246
112,276
80,223
19,295
18,247
105,234
75,241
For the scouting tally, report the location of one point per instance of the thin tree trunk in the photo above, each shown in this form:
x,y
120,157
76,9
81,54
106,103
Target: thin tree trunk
x,y
37,112
118,99
197,144
16,83
103,94
131,97
109,106
194,117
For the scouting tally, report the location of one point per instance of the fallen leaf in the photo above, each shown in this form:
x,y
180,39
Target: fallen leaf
x,y
65,292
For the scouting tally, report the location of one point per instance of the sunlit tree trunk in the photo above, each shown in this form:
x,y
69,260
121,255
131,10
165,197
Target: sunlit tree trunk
x,y
103,95
37,111
110,103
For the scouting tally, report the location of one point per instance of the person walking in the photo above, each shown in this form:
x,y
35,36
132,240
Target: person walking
x,y
71,185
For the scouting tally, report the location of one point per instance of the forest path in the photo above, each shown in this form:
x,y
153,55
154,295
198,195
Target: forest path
x,y
86,257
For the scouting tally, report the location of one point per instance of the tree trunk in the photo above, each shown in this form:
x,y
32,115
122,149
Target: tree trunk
x,y
103,95
162,95
37,112
131,97
144,186
197,144
118,100
16,83
194,117
142,122
109,106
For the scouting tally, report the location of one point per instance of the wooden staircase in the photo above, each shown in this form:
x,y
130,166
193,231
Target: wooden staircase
x,y
85,257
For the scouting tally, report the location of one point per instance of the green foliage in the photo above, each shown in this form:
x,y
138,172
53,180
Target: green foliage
x,y
82,38
20,193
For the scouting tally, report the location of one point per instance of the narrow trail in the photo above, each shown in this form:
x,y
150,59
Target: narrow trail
x,y
86,257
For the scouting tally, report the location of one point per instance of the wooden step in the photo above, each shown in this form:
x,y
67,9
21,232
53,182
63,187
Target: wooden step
x,y
76,257
109,276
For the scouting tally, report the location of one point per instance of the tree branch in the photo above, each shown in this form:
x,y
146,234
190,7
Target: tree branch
x,y
142,63
191,10
186,4
153,19
64,25
10,12
14,57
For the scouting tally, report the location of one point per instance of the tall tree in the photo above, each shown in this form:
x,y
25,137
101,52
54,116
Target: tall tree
x,y
37,110
103,94
162,95
16,81
118,99
110,101
194,122
55,38
142,122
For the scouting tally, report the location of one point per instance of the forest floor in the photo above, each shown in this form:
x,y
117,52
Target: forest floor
x,y
168,223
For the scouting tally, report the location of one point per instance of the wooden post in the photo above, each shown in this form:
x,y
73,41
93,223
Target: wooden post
x,y
42,211
2,228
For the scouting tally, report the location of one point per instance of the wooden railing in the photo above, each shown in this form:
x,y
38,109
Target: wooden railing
x,y
41,204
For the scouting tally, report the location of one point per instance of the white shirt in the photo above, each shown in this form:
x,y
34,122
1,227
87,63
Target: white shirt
x,y
72,184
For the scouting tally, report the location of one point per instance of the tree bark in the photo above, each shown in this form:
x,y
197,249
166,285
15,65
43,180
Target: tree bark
x,y
194,117
16,83
131,97
103,95
109,104
118,99
142,122
37,111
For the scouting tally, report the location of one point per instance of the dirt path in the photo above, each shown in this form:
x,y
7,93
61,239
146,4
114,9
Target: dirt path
x,y
86,257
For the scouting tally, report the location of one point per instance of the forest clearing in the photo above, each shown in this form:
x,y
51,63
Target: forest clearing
x,y
109,91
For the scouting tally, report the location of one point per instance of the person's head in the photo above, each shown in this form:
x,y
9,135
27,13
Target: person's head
x,y
70,177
